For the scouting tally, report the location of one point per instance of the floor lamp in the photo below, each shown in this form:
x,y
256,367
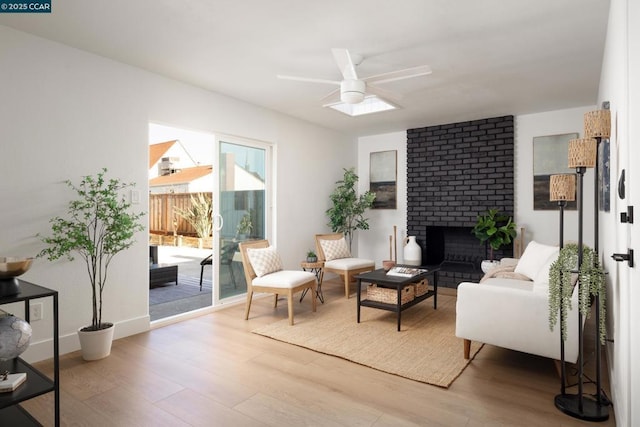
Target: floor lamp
x,y
562,189
582,155
597,125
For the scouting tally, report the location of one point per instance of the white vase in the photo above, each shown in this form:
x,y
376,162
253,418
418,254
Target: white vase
x,y
487,265
96,344
412,251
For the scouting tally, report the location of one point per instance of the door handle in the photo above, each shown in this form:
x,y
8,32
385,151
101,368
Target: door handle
x,y
218,221
624,257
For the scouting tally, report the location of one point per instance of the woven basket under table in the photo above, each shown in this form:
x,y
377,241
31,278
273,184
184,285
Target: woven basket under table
x,y
390,295
421,287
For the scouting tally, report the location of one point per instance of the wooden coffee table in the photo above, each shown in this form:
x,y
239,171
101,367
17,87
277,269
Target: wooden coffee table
x,y
380,278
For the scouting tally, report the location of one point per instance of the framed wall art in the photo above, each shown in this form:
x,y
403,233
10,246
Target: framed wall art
x,y
383,178
604,178
550,157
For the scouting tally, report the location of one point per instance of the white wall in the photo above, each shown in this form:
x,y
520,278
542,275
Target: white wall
x,y
68,113
619,86
542,225
374,243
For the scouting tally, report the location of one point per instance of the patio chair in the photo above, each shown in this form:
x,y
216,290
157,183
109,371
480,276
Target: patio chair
x,y
264,273
226,258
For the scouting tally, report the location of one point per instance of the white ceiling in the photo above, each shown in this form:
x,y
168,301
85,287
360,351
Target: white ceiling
x,y
489,57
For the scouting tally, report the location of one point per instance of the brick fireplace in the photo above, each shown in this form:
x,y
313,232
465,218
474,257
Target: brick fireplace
x,y
455,172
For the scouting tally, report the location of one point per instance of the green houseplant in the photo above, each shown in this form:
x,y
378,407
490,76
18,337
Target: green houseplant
x,y
347,213
98,225
311,256
244,226
495,230
561,284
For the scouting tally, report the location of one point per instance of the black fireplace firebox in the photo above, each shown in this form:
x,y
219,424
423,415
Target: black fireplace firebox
x,y
453,245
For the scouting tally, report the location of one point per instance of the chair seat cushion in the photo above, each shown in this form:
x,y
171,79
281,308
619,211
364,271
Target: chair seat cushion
x,y
349,263
284,279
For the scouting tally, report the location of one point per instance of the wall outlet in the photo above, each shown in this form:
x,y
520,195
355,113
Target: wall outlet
x,y
35,311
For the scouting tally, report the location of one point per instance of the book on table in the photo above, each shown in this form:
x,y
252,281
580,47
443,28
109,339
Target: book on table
x,y
406,271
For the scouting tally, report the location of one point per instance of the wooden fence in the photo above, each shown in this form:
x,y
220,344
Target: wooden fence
x,y
163,218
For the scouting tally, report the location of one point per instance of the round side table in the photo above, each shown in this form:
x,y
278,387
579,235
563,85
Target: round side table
x,y
316,268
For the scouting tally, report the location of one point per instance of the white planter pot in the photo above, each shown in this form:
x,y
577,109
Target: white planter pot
x,y
96,344
487,265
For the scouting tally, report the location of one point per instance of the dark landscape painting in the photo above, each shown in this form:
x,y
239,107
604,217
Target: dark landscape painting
x,y
382,179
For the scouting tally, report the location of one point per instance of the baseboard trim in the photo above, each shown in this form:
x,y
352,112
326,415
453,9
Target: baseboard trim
x,y
43,350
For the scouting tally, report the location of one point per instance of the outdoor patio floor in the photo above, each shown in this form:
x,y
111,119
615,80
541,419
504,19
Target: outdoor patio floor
x,y
168,300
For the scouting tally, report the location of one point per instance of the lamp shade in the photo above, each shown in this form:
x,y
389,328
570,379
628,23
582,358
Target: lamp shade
x,y
597,124
582,152
562,188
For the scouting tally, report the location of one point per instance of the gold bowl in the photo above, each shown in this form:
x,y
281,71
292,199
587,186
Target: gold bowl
x,y
11,267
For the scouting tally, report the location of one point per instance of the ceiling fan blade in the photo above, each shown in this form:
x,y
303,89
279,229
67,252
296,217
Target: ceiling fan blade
x,y
345,63
308,79
331,98
392,76
384,94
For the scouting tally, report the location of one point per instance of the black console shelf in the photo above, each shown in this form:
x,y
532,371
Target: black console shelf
x,y
36,383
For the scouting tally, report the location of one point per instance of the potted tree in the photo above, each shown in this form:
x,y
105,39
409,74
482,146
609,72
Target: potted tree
x,y
347,213
495,230
99,225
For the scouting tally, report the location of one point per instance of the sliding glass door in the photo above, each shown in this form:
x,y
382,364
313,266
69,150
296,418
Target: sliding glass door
x,y
242,209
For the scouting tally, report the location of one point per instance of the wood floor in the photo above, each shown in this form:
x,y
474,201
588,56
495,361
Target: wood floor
x,y
212,371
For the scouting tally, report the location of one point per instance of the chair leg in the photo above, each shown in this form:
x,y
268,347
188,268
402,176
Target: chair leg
x,y
467,348
346,285
248,305
275,302
201,272
314,294
290,306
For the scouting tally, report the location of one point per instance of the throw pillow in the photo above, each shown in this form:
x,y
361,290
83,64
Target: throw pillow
x,y
534,258
264,260
542,278
335,249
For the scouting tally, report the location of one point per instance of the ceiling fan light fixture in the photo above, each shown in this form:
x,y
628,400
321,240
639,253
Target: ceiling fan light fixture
x,y
370,104
352,91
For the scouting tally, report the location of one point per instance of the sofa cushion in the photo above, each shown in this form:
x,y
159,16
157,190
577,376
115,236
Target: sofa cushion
x,y
535,258
542,278
264,260
335,249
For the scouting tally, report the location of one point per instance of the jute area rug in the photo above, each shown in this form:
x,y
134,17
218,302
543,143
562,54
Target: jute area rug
x,y
426,349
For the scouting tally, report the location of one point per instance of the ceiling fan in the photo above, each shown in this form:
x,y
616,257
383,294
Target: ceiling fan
x,y
353,89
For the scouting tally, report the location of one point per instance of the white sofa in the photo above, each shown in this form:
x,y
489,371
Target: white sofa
x,y
512,311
